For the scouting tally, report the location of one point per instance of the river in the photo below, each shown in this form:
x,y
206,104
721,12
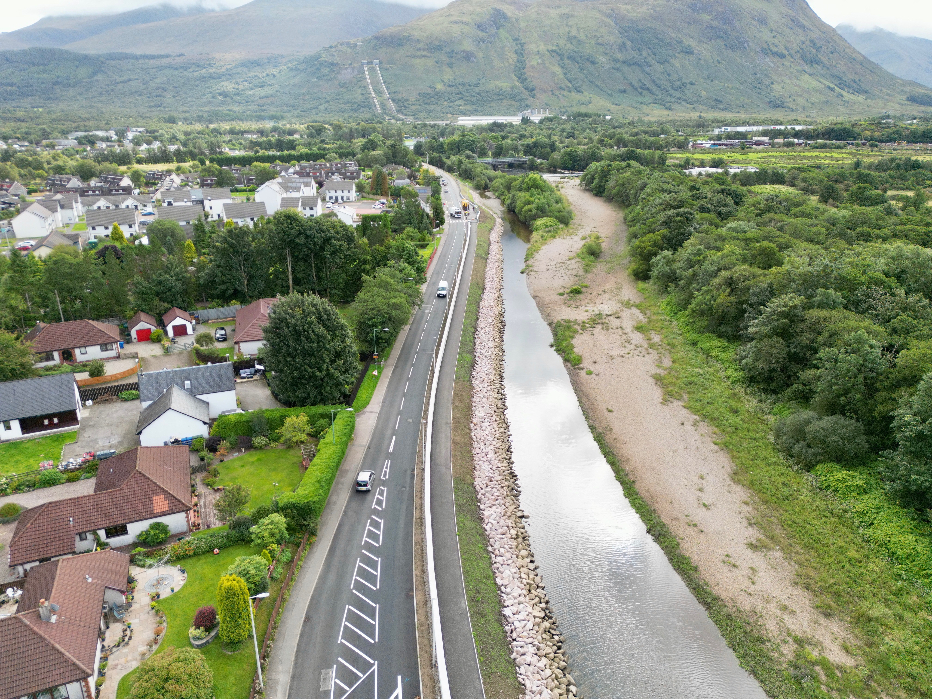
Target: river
x,y
631,626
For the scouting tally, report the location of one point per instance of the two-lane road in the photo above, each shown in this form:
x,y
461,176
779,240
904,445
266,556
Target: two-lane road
x,y
359,636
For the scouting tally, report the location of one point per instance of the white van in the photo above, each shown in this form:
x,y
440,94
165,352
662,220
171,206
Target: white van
x,y
442,290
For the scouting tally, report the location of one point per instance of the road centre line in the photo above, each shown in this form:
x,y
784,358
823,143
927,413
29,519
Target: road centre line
x,y
391,447
386,467
402,404
397,421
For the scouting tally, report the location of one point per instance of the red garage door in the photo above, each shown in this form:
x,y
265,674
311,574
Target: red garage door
x,y
143,335
179,330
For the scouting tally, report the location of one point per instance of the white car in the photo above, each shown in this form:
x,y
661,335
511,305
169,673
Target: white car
x,y
364,480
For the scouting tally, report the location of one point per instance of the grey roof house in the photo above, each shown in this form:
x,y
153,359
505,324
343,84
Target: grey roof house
x,y
174,414
244,213
213,383
31,407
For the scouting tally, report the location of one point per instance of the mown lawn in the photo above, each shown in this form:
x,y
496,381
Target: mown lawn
x,y
20,457
233,668
258,470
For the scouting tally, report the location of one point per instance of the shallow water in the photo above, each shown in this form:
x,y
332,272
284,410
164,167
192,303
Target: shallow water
x,y
631,627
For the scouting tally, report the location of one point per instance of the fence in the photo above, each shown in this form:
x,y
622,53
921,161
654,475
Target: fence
x,y
209,315
82,383
96,393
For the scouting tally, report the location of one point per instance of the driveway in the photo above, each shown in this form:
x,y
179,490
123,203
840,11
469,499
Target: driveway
x,y
167,361
254,394
109,425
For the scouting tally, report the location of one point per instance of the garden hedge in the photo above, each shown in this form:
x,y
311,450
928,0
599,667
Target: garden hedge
x,y
240,424
305,504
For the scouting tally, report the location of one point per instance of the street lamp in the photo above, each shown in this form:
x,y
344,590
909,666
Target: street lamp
x,y
255,641
375,352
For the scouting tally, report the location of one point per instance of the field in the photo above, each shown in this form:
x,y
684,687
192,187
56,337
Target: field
x,y
20,457
788,158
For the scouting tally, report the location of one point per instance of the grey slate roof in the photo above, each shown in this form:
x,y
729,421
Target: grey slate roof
x,y
40,396
212,378
51,240
176,399
107,217
179,212
290,203
250,209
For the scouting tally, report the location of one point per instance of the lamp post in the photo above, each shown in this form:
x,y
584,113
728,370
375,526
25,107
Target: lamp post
x,y
375,352
255,641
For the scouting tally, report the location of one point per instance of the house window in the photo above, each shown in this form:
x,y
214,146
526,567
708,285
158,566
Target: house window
x,y
7,425
82,350
117,531
83,536
47,357
107,347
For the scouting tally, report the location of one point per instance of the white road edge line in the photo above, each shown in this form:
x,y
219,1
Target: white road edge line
x,y
439,653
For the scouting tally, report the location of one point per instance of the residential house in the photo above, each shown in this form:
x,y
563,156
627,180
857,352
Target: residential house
x,y
58,183
74,341
176,414
178,323
35,222
244,213
339,190
44,247
14,189
133,490
212,383
33,407
141,326
185,215
140,202
271,193
52,645
212,199
249,335
100,222
68,205
351,213
53,206
173,197
309,207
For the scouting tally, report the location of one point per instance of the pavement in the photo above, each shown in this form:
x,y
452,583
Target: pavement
x,y
254,394
349,626
110,425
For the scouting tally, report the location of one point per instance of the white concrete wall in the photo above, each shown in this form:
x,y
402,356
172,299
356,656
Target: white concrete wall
x,y
56,360
250,349
87,545
179,323
142,326
177,524
225,400
269,196
31,226
15,432
94,352
68,216
172,424
214,208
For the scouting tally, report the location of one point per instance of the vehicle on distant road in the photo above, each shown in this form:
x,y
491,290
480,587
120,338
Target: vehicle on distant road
x,y
443,289
220,334
364,480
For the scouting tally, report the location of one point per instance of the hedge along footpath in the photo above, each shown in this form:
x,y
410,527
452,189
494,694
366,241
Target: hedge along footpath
x,y
307,502
240,424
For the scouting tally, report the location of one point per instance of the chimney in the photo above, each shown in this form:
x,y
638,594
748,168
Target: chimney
x,y
45,613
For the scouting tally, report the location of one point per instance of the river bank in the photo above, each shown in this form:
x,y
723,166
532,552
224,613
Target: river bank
x,y
671,456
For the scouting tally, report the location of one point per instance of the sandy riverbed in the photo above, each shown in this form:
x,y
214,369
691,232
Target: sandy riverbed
x,y
669,453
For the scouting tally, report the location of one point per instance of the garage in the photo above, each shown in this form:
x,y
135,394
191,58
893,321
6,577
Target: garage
x,y
141,327
143,334
178,323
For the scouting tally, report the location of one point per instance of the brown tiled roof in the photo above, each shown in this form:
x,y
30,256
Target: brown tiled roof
x,y
141,317
74,333
251,319
38,655
35,330
176,313
139,484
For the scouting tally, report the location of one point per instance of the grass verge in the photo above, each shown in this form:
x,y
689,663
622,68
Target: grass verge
x,y
495,663
563,333
849,579
260,470
26,455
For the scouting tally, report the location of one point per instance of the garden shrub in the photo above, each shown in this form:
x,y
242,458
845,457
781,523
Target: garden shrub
x,y
320,427
197,444
243,424
260,442
179,673
157,335
270,531
50,477
205,618
259,424
128,395
811,439
254,572
266,556
260,513
96,368
155,534
244,442
205,339
233,609
212,443
241,524
9,512
295,430
204,543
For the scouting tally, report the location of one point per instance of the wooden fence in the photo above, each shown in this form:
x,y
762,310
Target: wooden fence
x,y
108,377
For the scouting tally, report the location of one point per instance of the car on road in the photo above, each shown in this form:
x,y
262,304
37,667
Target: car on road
x,y
220,334
364,480
443,289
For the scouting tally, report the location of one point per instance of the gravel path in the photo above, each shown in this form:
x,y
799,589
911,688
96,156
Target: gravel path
x,y
671,454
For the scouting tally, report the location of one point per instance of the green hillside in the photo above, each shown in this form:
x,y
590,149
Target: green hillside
x,y
908,57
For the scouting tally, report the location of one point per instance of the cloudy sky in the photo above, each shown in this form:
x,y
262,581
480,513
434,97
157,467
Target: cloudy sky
x,y
910,17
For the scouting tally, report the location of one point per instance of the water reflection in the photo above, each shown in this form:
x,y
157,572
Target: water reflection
x,y
632,628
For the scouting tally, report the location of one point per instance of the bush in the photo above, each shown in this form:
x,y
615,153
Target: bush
x,y
241,524
232,502
212,444
261,513
197,444
9,511
128,395
233,609
811,439
254,572
156,534
205,543
592,248
209,355
157,335
244,442
272,530
259,424
96,368
260,442
320,428
295,430
50,477
180,673
205,339
205,618
242,424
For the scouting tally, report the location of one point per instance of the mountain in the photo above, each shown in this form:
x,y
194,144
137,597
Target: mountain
x,y
259,27
908,57
58,32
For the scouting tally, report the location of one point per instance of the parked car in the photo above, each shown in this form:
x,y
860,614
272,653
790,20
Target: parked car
x,y
101,455
364,480
443,289
220,334
247,373
25,246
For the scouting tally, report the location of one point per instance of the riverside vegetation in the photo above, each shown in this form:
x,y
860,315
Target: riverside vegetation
x,y
811,319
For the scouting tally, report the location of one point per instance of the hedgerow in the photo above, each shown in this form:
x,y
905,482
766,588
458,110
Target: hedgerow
x,y
241,424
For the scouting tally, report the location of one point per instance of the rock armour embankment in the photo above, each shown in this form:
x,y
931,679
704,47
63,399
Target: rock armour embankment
x,y
536,644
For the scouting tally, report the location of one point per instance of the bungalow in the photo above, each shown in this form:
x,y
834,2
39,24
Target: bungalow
x,y
213,199
339,190
141,326
33,407
178,323
212,383
74,341
176,414
251,320
174,197
133,490
244,214
51,646
44,247
100,222
35,222
185,215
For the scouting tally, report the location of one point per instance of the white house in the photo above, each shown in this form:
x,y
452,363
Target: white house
x,y
73,341
270,193
68,205
174,197
100,222
141,326
44,247
245,213
178,323
184,215
35,222
38,406
213,199
132,490
308,206
339,190
176,414
351,213
249,335
212,383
